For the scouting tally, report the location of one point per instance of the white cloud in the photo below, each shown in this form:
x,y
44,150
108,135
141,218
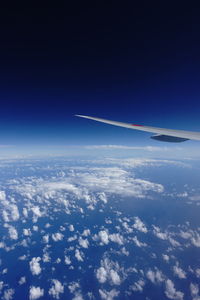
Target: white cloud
x,y
161,235
79,255
74,288
104,237
45,238
35,293
2,196
196,240
138,243
139,225
108,271
179,272
36,213
101,274
86,232
67,260
115,277
123,147
35,266
56,289
8,294
108,295
138,286
83,242
22,280
117,238
171,292
165,257
57,236
71,227
197,271
12,232
27,231
155,277
194,289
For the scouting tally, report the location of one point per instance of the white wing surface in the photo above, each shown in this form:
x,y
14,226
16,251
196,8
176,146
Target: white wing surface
x,y
162,134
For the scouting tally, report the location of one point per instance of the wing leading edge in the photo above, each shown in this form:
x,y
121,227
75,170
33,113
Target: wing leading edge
x,y
162,134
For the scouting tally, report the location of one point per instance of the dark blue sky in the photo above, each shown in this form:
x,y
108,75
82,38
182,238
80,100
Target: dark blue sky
x,y
132,62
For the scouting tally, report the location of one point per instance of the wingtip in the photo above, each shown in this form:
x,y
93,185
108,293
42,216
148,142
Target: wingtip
x,y
82,116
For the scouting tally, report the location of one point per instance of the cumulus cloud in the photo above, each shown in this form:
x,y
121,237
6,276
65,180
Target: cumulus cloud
x,y
108,295
139,225
138,286
101,274
171,292
67,260
57,236
196,240
138,243
71,227
83,242
108,271
36,213
155,277
12,232
2,196
104,237
35,266
22,280
179,272
35,293
116,238
194,290
56,289
8,294
165,257
79,255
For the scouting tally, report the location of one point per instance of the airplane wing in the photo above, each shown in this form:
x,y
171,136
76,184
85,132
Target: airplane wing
x,y
162,134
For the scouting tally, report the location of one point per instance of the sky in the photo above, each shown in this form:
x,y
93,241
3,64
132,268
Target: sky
x,y
131,62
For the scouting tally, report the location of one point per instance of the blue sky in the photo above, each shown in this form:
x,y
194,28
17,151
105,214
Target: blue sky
x,y
133,63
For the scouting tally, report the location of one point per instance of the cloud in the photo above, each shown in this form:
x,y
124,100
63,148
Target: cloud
x,y
155,277
116,238
56,289
79,255
2,196
171,292
194,290
57,236
67,260
108,295
35,293
71,227
108,271
22,280
12,232
165,257
123,147
36,213
74,288
179,272
35,266
195,198
138,243
138,286
101,274
83,242
139,225
196,240
8,294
